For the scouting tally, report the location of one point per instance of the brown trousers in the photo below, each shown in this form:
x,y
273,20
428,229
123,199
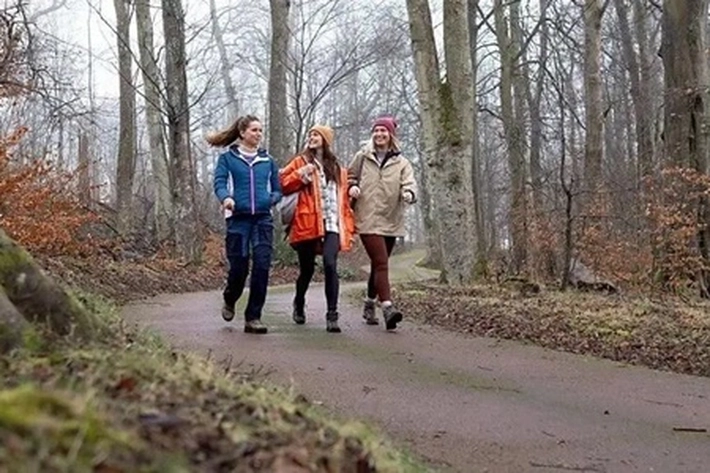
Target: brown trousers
x,y
378,248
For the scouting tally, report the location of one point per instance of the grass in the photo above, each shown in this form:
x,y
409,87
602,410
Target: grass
x,y
131,404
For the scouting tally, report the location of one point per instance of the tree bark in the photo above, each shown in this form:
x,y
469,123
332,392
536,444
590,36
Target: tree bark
x,y
187,232
514,137
84,165
126,160
278,135
426,64
447,126
685,64
156,136
476,185
686,102
534,100
640,89
594,140
37,297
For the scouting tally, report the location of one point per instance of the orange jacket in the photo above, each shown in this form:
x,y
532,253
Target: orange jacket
x,y
308,221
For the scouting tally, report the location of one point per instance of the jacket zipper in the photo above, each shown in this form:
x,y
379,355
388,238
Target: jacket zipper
x,y
252,190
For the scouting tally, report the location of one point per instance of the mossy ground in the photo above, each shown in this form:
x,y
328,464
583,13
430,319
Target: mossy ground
x,y
129,403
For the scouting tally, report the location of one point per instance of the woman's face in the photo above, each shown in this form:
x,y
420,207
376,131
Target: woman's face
x,y
253,134
381,137
315,140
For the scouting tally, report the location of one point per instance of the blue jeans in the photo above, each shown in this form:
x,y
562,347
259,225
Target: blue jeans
x,y
249,234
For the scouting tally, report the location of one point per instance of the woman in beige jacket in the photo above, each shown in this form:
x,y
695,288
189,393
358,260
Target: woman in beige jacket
x,y
381,183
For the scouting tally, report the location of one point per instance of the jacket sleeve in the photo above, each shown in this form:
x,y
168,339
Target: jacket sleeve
x,y
354,170
407,181
275,184
221,179
289,177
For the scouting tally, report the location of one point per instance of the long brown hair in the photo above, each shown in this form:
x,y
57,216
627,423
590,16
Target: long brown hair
x,y
232,133
331,166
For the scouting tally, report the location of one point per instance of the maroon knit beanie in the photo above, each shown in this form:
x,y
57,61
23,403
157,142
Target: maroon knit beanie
x,y
387,122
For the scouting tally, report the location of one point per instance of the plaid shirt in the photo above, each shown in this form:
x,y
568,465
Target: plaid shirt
x,y
329,201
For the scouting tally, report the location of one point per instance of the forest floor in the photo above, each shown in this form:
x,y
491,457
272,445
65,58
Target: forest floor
x,y
449,386
125,276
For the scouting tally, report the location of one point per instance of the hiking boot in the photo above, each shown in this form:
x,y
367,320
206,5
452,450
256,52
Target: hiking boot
x,y
299,314
331,322
368,312
255,326
227,313
392,317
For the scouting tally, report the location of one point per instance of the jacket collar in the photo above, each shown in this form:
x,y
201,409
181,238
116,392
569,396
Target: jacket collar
x,y
261,154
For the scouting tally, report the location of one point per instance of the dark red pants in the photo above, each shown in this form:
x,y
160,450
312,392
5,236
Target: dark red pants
x,y
378,248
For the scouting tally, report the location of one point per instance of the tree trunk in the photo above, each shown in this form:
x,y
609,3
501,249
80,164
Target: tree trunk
x,y
647,144
84,165
686,102
225,67
534,100
278,119
426,66
594,140
640,91
685,64
37,297
187,231
480,216
447,119
126,160
517,216
156,138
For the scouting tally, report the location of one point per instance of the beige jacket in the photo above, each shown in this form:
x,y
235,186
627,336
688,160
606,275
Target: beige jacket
x,y
380,208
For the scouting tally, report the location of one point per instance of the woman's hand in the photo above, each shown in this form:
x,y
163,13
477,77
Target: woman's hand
x,y
354,192
306,173
408,196
228,204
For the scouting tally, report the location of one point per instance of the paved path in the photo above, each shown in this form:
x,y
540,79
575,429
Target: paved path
x,y
460,403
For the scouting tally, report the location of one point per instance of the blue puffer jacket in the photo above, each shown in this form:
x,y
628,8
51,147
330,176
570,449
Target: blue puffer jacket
x,y
254,186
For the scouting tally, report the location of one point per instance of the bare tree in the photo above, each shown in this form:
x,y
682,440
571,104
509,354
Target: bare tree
x,y
186,232
594,141
686,102
153,109
225,64
447,121
513,124
126,159
476,185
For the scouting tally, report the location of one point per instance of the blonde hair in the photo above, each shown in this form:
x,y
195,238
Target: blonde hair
x,y
232,133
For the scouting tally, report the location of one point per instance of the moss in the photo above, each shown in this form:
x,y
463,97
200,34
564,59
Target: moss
x,y
448,120
12,257
51,422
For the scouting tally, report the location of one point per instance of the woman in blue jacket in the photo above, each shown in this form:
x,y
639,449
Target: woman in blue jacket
x,y
246,182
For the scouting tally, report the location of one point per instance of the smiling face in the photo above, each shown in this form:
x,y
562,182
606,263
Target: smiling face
x,y
251,137
315,140
381,137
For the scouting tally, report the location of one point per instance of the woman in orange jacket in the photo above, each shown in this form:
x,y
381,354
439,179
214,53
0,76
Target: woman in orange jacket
x,y
323,221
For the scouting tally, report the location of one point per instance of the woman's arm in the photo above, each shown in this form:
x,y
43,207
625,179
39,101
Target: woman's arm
x,y
408,185
290,178
221,179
